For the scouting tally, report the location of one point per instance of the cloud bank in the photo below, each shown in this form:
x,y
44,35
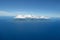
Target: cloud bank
x,y
7,13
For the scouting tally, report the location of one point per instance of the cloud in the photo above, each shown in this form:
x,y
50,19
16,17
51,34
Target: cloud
x,y
5,13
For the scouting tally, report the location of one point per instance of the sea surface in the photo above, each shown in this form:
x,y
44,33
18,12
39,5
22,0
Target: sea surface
x,y
11,29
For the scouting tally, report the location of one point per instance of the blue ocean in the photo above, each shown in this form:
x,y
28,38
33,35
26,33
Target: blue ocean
x,y
11,29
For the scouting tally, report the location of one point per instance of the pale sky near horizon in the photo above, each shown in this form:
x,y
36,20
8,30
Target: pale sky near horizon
x,y
34,7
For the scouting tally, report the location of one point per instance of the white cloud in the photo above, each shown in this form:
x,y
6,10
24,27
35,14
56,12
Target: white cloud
x,y
5,13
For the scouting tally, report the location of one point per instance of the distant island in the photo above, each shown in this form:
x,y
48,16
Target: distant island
x,y
31,17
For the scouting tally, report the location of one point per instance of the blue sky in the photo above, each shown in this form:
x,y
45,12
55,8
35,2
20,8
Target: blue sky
x,y
34,7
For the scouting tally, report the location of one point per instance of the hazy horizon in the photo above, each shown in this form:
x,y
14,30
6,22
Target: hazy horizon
x,y
25,7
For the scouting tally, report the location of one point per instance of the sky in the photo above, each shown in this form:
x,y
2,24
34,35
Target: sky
x,y
26,7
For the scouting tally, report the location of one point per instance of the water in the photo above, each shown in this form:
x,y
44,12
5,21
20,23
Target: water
x,y
31,30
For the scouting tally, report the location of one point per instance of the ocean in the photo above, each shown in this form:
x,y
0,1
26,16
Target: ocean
x,y
11,29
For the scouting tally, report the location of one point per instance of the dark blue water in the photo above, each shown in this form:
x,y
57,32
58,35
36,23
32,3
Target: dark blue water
x,y
11,29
